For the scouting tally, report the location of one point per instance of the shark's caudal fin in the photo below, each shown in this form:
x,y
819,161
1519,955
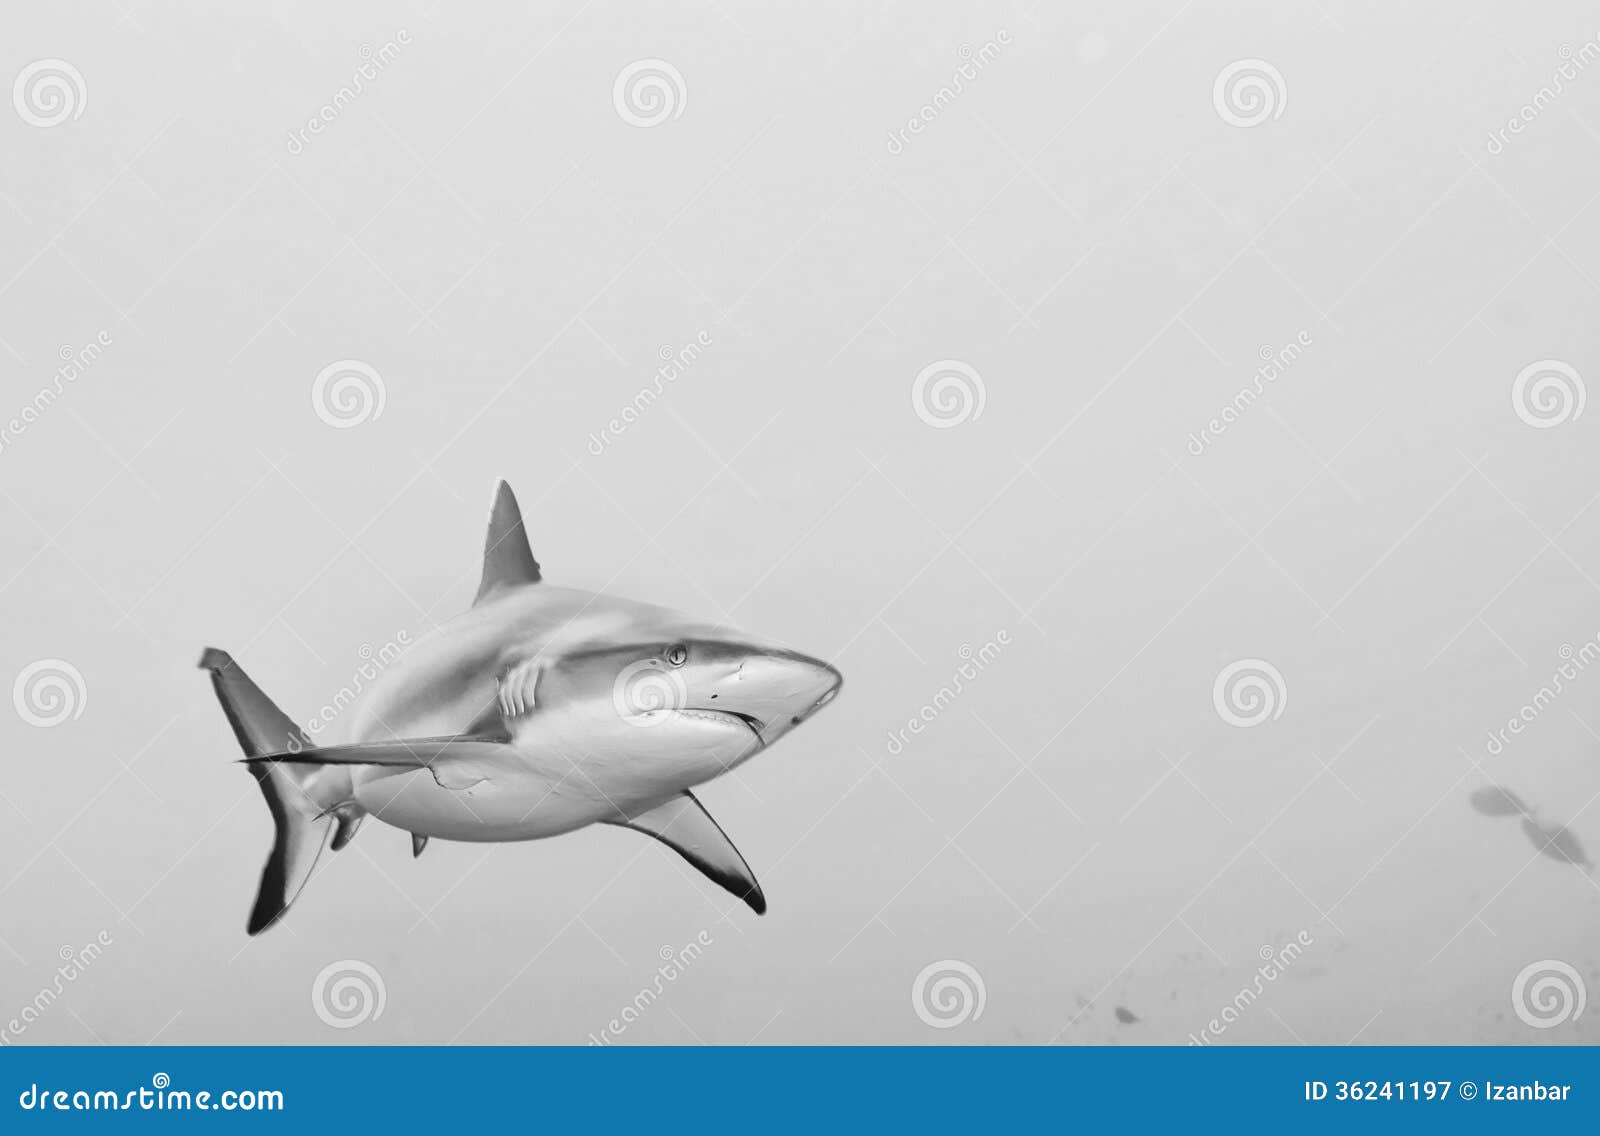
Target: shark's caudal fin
x,y
302,825
507,560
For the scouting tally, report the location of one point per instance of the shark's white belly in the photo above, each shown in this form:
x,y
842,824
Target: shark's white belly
x,y
555,777
506,804
573,761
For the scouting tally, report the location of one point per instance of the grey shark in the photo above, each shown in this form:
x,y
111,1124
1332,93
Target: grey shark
x,y
538,711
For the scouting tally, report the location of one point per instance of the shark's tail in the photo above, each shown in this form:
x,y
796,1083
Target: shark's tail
x,y
303,824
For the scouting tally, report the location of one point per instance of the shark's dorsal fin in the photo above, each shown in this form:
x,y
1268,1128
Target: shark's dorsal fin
x,y
507,560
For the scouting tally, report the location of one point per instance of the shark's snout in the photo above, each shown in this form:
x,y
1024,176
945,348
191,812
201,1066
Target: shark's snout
x,y
781,690
834,681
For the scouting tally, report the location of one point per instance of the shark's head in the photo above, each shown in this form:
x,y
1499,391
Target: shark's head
x,y
635,684
702,692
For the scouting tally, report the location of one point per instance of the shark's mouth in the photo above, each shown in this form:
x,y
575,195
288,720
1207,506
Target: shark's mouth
x,y
750,721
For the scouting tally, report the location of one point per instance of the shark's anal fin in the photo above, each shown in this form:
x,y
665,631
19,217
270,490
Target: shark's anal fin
x,y
349,825
683,825
507,560
418,843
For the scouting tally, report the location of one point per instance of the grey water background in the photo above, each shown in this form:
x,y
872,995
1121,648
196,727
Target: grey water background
x,y
1080,227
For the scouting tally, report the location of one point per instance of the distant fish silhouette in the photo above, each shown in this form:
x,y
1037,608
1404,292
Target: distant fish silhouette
x,y
1558,843
1494,801
1126,1016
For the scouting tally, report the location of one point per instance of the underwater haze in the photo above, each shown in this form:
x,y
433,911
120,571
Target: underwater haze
x,y
1170,418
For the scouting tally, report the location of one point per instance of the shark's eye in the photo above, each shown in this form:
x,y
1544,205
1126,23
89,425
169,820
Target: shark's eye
x,y
678,655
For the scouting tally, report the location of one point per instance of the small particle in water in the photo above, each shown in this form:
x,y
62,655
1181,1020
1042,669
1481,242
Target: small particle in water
x,y
1497,802
1558,843
1126,1016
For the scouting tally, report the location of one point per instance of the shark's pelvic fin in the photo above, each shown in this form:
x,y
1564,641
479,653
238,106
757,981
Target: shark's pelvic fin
x,y
507,560
418,843
301,825
349,825
683,825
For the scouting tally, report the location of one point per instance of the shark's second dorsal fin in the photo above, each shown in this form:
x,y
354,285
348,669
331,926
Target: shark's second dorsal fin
x,y
507,560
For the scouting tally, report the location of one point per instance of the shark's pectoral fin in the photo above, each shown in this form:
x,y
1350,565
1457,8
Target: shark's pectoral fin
x,y
418,843
683,825
405,753
490,725
455,762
